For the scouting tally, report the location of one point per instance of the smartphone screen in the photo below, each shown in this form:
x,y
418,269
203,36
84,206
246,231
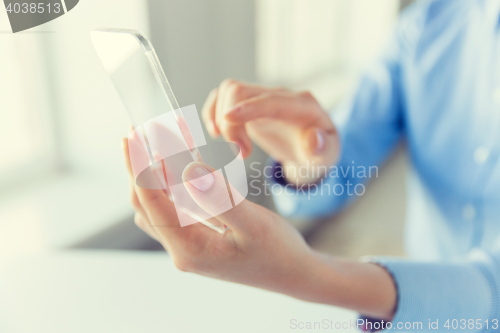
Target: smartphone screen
x,y
168,137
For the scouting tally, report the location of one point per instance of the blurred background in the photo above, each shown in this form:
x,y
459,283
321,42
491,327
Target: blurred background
x,y
62,178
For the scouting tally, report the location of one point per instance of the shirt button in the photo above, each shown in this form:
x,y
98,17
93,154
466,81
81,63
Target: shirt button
x,y
481,154
495,96
469,212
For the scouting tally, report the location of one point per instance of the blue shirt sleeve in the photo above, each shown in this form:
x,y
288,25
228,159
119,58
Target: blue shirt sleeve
x,y
432,296
444,297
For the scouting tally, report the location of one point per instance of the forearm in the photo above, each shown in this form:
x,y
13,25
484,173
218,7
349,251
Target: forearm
x,y
426,291
363,287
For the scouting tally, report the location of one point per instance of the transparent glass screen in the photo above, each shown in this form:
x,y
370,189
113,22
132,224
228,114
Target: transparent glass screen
x,y
166,138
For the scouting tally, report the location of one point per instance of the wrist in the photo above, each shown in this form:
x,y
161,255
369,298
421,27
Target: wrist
x,y
363,287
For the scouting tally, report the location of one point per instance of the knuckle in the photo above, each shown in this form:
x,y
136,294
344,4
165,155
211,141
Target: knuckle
x,y
213,92
134,200
223,204
225,127
238,90
227,82
306,95
205,114
153,198
235,88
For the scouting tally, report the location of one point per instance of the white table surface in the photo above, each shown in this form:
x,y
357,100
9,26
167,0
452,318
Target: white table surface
x,y
60,211
97,291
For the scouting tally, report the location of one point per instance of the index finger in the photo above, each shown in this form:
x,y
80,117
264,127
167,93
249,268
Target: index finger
x,y
289,107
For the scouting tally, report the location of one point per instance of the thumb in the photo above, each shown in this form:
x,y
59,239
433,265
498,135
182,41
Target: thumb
x,y
210,190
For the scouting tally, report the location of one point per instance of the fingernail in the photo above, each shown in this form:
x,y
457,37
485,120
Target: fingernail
x,y
200,178
320,141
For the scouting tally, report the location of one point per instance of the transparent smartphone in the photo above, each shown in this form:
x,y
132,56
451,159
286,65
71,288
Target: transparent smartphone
x,y
132,64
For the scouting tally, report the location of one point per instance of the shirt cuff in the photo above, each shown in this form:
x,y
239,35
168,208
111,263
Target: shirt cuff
x,y
435,297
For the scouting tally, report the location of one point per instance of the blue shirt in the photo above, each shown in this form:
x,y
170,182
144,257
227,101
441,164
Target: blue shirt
x,y
436,86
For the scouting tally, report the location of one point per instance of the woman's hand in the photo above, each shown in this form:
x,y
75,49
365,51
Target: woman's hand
x,y
291,127
259,249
